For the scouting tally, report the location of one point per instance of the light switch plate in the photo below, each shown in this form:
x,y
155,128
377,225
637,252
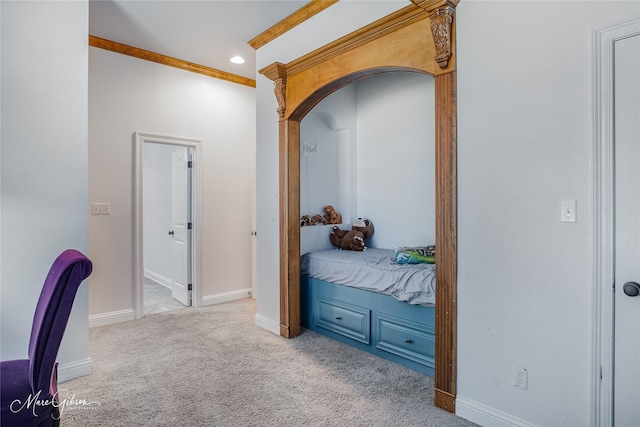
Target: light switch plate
x,y
101,209
568,210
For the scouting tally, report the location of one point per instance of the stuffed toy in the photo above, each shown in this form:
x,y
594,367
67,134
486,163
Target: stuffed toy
x,y
317,219
331,216
311,220
353,239
305,220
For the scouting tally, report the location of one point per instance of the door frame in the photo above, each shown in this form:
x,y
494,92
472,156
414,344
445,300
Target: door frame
x,y
602,369
299,85
140,139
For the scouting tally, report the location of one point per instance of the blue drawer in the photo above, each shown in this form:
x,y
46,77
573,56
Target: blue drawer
x,y
404,338
345,319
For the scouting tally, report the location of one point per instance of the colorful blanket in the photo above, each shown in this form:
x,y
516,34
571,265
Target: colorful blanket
x,y
416,255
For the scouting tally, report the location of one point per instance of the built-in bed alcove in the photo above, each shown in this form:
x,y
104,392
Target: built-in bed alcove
x,y
419,38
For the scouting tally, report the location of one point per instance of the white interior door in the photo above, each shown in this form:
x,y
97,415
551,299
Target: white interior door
x,y
627,233
180,231
254,233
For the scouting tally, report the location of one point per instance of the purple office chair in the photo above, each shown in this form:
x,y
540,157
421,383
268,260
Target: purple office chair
x,y
29,387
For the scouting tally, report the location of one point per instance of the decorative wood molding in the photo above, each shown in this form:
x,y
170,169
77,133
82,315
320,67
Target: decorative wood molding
x,y
386,42
289,142
398,42
278,73
310,9
168,60
373,31
441,20
430,5
446,240
441,14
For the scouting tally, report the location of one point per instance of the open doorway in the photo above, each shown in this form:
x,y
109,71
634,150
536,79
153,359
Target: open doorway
x,y
165,223
166,227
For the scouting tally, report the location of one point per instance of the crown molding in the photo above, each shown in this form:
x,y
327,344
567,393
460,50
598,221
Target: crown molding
x,y
296,18
430,5
168,60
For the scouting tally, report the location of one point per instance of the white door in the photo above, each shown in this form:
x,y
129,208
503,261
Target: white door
x,y
627,233
180,226
254,233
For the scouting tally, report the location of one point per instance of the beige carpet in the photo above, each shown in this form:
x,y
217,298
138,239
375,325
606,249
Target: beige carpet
x,y
212,366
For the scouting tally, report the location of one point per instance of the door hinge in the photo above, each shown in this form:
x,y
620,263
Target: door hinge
x,y
190,164
190,287
189,226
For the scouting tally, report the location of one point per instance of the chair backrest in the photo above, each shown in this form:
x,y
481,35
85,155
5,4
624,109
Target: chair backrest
x,y
52,314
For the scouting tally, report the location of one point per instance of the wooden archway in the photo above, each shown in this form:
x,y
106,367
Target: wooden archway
x,y
418,38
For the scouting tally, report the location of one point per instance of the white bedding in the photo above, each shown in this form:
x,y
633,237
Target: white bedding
x,y
374,270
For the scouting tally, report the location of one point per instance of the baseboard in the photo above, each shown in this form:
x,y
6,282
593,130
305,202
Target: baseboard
x,y
266,323
226,297
158,278
112,317
71,370
485,415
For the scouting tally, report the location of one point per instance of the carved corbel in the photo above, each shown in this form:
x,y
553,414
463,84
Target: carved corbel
x,y
441,14
441,20
278,73
280,89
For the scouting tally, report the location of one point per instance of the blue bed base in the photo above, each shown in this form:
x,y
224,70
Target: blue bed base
x,y
373,322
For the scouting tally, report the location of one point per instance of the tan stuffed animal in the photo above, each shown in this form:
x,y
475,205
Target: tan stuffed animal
x,y
311,220
331,216
353,239
317,219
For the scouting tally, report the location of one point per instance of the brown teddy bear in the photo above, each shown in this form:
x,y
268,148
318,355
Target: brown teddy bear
x,y
331,216
353,239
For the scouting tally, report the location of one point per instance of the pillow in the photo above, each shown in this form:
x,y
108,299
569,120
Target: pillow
x,y
416,255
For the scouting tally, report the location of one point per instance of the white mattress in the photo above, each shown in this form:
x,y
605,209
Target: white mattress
x,y
374,270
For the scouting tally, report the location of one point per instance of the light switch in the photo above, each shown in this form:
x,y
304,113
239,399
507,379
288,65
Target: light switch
x,y
101,209
568,210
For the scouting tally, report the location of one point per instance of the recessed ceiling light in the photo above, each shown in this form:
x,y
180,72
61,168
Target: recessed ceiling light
x,y
237,60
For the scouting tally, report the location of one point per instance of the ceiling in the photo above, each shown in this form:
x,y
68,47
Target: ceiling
x,y
205,32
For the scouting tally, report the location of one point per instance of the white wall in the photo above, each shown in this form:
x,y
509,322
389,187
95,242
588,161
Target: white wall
x,y
44,166
128,95
525,280
334,117
319,166
332,23
392,164
396,158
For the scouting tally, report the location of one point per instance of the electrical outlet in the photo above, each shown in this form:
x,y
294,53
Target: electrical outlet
x,y
520,377
101,209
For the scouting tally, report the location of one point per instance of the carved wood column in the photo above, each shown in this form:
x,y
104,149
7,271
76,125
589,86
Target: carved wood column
x,y
289,176
441,13
289,228
446,241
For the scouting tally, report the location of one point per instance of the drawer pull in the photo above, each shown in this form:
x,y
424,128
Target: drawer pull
x,y
409,341
338,318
